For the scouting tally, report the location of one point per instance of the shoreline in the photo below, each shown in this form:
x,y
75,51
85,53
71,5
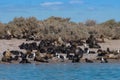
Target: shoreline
x,y
14,43
39,63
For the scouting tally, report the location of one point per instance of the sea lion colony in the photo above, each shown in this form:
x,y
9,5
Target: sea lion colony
x,y
47,51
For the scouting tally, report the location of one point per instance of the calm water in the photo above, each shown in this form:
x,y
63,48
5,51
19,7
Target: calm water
x,y
60,72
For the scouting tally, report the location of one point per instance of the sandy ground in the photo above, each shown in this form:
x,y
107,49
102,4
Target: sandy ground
x,y
112,44
11,45
14,43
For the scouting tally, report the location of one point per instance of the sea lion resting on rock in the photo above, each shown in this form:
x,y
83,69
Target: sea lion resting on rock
x,y
7,56
91,41
40,57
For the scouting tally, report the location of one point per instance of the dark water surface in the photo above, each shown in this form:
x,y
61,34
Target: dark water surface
x,y
69,71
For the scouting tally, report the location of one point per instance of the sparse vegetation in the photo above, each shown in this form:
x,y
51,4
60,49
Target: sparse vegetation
x,y
54,27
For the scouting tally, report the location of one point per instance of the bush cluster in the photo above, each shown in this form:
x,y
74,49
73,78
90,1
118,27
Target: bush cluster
x,y
55,27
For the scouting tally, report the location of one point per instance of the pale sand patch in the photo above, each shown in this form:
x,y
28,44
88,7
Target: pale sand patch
x,y
112,44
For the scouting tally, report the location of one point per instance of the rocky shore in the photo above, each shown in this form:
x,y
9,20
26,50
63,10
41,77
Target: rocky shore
x,y
111,55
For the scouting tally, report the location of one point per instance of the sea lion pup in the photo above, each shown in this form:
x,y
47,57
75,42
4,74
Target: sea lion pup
x,y
30,55
24,57
60,41
102,38
40,57
88,61
62,58
7,56
104,60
